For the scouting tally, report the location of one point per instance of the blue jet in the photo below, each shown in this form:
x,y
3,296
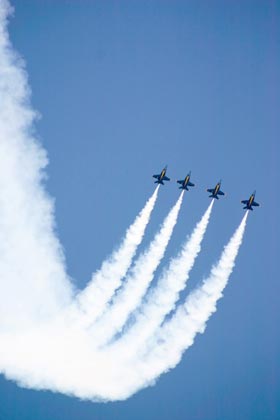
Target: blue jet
x,y
251,202
216,191
161,177
185,183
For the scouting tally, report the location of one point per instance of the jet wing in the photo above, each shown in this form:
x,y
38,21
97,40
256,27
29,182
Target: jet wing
x,y
165,178
255,204
221,192
245,201
156,176
181,181
211,190
190,184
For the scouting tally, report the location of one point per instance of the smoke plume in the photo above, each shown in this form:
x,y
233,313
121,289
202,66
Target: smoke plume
x,y
55,337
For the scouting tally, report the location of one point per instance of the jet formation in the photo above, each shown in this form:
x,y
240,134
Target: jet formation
x,y
214,192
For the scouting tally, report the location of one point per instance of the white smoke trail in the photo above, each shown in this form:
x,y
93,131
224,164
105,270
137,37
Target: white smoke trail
x,y
137,282
32,268
161,300
38,348
114,374
95,298
43,345
166,348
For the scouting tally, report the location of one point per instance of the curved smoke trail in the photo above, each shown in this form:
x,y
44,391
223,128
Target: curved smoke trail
x,y
57,351
32,266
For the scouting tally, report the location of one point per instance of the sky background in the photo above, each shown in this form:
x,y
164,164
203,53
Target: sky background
x,y
123,88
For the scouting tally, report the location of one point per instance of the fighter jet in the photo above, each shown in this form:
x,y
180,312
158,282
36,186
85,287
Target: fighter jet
x,y
161,177
216,191
185,183
251,202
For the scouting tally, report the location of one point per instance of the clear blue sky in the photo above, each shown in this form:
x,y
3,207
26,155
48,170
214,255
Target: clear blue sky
x,y
125,87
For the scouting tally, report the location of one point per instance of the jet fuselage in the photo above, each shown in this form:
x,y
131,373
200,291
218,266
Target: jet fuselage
x,y
185,183
215,192
161,177
250,203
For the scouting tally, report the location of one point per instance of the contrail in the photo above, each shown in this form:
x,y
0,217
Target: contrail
x,y
111,374
167,347
137,282
95,298
36,294
161,300
32,266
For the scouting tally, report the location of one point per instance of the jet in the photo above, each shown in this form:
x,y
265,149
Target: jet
x,y
161,177
251,202
185,183
216,191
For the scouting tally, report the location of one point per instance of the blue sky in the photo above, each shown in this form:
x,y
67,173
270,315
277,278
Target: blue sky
x,y
124,87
